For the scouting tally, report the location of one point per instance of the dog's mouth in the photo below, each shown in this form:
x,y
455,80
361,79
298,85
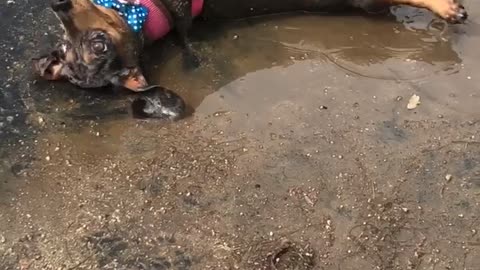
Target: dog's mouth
x,y
90,64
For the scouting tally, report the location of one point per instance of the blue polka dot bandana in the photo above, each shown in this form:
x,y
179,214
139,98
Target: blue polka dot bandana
x,y
134,15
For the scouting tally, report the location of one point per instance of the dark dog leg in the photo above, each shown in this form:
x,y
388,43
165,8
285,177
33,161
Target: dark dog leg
x,y
183,18
190,58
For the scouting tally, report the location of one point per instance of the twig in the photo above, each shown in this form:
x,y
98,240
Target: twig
x,y
467,142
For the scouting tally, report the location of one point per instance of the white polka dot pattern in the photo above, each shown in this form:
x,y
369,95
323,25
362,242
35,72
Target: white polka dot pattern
x,y
135,15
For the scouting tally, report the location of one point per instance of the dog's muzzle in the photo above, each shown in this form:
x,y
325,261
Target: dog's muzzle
x,y
61,5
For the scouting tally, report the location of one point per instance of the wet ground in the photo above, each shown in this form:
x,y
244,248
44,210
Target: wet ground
x,y
301,153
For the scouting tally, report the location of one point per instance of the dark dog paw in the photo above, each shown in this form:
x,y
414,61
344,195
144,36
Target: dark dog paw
x,y
158,103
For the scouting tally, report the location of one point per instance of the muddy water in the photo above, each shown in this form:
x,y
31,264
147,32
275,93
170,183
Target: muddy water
x,y
379,49
300,154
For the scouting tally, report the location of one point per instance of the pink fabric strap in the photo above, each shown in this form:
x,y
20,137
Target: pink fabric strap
x,y
158,24
197,7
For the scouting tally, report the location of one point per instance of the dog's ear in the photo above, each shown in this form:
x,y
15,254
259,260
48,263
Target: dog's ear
x,y
132,79
48,67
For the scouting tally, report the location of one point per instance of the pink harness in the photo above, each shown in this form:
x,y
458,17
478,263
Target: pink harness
x,y
158,24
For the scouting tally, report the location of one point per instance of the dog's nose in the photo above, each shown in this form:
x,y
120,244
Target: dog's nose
x,y
61,5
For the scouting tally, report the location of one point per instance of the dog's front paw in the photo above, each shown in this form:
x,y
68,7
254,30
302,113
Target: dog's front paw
x,y
449,10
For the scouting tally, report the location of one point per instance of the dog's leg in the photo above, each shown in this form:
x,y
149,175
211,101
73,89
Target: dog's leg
x,y
449,10
183,19
190,58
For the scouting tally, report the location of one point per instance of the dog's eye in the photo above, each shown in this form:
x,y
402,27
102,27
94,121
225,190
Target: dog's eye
x,y
98,47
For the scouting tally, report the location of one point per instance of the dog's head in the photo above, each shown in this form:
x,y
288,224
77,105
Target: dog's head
x,y
98,48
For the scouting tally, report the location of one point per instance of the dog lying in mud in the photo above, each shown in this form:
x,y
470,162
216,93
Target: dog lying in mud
x,y
103,39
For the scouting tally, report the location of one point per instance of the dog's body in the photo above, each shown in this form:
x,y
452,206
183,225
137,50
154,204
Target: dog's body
x,y
100,47
218,9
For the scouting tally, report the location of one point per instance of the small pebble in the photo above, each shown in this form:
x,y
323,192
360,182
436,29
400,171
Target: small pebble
x,y
2,239
47,158
448,177
235,37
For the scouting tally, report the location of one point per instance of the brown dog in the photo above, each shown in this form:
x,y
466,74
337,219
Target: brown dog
x,y
101,48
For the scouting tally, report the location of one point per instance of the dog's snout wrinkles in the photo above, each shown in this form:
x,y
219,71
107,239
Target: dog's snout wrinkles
x,y
61,5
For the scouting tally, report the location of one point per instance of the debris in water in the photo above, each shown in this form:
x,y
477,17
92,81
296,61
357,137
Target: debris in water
x,y
413,102
309,201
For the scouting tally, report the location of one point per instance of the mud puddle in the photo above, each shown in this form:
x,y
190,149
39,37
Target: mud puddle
x,y
301,153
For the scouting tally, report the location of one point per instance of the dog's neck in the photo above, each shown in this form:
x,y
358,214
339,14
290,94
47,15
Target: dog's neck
x,y
159,21
151,16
